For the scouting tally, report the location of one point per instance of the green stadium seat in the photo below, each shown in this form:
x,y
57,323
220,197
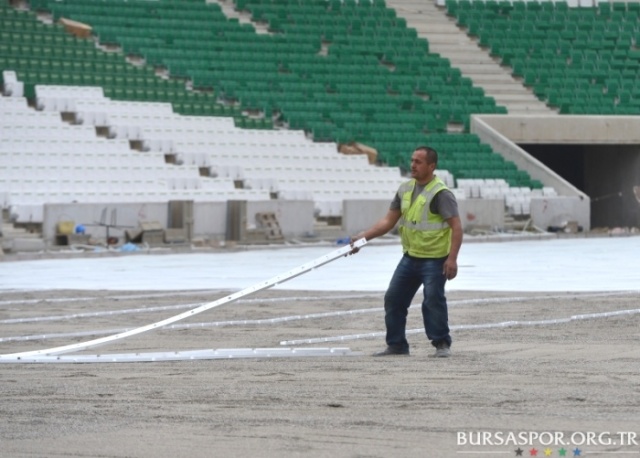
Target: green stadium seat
x,y
280,74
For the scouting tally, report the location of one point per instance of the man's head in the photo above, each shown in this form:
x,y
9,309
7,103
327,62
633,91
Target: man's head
x,y
424,161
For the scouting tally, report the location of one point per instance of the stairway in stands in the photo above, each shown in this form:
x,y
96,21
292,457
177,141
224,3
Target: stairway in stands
x,y
448,40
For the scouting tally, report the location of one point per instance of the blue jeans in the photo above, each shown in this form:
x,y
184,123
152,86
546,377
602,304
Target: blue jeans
x,y
409,275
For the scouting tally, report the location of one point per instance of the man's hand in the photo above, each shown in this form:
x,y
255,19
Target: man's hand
x,y
354,249
450,269
384,225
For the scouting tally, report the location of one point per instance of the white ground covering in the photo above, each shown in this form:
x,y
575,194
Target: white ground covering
x,y
595,264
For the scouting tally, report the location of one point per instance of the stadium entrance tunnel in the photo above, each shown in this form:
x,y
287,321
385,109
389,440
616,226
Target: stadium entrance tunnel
x,y
593,158
606,173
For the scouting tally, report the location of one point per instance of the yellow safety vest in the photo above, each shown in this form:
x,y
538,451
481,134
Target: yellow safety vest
x,y
423,234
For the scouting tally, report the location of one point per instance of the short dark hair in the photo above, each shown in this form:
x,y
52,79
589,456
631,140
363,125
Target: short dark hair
x,y
432,155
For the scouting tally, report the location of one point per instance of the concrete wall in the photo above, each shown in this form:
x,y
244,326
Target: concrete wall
x,y
210,218
609,165
505,145
501,132
481,213
359,215
558,211
89,215
566,128
295,217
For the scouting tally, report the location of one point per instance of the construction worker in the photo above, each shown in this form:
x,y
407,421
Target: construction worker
x,y
431,234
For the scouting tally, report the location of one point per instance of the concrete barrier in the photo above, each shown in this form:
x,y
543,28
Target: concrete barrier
x,y
359,215
296,218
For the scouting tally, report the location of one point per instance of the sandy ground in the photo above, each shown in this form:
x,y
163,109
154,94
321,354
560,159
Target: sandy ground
x,y
571,386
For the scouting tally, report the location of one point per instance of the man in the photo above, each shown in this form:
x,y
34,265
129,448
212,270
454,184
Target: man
x,y
431,235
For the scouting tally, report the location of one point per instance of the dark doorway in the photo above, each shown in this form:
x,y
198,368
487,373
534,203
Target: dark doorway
x,y
606,173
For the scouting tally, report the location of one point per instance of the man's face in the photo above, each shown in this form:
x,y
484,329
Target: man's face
x,y
421,170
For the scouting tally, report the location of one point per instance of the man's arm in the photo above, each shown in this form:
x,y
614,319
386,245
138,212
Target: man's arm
x,y
381,227
450,269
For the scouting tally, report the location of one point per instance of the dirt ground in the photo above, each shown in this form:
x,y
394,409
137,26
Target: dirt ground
x,y
521,389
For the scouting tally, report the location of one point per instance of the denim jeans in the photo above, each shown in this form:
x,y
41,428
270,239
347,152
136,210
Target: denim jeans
x,y
410,274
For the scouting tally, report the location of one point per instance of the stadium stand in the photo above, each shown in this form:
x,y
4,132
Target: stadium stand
x,y
212,105
43,159
578,60
285,72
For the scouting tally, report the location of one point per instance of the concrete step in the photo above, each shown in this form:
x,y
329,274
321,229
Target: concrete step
x,y
228,9
514,100
505,88
22,245
435,28
21,235
464,57
461,47
417,18
445,38
501,82
517,97
520,112
433,24
494,78
449,41
17,239
462,54
412,7
8,230
505,98
415,6
523,104
488,71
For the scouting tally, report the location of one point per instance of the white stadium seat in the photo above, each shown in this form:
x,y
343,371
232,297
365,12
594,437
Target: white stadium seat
x,y
45,159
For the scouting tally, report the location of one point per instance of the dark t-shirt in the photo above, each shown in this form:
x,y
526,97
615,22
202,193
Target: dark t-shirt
x,y
444,203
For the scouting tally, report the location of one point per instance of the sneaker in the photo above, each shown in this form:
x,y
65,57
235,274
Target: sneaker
x,y
392,351
443,350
